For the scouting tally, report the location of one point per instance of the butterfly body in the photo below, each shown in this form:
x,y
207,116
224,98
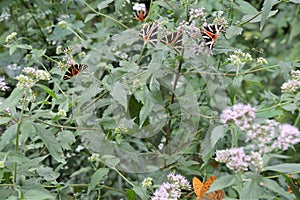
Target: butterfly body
x,y
174,40
210,34
201,189
149,33
73,70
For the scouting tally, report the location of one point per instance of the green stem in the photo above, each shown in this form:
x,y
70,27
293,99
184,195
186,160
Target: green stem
x,y
298,118
101,14
123,176
75,33
17,137
141,54
248,20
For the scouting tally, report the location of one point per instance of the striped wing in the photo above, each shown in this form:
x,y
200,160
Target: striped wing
x,y
74,70
210,33
174,40
149,33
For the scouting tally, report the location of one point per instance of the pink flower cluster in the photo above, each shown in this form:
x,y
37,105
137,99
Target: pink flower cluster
x,y
172,189
3,85
263,137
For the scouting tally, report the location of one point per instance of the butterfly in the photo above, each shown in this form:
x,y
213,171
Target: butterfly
x,y
149,33
210,33
200,189
73,70
174,40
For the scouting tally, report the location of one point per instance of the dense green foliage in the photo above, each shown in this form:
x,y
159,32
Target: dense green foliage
x,y
140,111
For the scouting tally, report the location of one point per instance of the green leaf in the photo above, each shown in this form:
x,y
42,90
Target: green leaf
x,y
275,187
110,160
147,107
141,192
119,93
131,195
246,7
89,17
8,136
47,173
80,171
37,194
104,4
4,120
285,168
37,53
257,18
295,1
290,107
13,99
66,139
247,191
224,182
295,30
267,7
24,46
269,114
286,68
18,157
233,31
47,90
12,49
50,142
97,178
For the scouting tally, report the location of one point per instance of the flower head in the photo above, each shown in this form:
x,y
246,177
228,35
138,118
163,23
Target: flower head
x,y
10,37
3,85
240,114
167,191
288,136
147,182
290,86
24,81
179,180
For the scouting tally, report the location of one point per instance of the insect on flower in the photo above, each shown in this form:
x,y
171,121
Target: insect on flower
x,y
149,33
73,70
174,40
200,189
210,34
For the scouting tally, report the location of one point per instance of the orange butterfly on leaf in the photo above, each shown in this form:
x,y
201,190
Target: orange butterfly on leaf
x,y
201,189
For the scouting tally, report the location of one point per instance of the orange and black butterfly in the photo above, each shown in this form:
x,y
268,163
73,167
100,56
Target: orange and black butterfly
x,y
73,70
174,40
201,189
210,34
149,33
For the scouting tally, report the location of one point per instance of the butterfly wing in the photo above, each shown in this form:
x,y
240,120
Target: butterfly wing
x,y
197,185
216,195
149,33
74,70
210,33
174,40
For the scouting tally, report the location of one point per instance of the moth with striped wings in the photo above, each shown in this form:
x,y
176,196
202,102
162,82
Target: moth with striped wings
x,y
210,34
149,33
73,70
174,40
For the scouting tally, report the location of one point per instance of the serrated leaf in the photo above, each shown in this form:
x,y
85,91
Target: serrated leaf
x,y
110,160
89,17
285,168
267,7
285,68
119,93
13,99
247,191
66,139
130,194
8,136
47,173
232,31
50,142
47,90
97,178
104,4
